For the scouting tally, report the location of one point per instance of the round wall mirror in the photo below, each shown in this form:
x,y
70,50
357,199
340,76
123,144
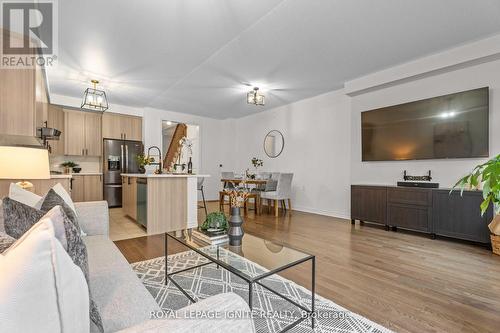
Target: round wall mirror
x,y
274,143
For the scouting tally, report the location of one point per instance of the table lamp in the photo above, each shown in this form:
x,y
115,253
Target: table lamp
x,y
23,157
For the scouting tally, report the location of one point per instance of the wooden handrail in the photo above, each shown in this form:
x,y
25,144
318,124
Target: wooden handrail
x,y
175,147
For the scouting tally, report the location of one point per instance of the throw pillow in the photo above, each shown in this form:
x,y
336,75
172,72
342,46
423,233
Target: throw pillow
x,y
41,289
18,217
18,193
5,241
61,191
53,199
77,252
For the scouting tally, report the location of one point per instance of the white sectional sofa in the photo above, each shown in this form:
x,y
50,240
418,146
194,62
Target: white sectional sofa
x,y
123,301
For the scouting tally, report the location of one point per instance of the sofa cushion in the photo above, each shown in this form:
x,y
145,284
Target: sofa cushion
x,y
41,290
122,299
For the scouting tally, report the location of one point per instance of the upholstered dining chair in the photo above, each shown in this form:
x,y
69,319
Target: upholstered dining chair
x,y
283,193
222,194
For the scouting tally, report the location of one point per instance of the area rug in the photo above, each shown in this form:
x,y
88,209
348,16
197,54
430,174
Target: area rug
x,y
275,312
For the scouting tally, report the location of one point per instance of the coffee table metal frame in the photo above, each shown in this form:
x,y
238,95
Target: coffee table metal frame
x,y
250,280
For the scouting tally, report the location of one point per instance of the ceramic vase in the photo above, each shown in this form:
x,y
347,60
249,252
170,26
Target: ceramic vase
x,y
235,231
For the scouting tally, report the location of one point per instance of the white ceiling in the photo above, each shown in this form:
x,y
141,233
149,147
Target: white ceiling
x,y
199,56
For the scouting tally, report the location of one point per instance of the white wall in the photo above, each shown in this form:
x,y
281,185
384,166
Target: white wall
x,y
445,172
317,149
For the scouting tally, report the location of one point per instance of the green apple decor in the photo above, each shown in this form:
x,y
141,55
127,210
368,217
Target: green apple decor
x,y
487,175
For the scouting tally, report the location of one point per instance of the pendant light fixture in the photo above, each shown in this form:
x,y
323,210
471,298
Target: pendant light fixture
x,y
255,97
94,99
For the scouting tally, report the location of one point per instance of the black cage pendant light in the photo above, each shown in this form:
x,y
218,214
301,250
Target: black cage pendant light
x,y
94,99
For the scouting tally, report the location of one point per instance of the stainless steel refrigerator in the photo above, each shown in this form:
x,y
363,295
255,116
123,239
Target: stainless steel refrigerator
x,y
119,157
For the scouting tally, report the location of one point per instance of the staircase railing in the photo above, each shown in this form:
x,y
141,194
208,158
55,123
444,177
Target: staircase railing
x,y
175,148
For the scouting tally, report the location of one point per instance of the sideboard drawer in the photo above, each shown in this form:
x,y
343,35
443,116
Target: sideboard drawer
x,y
410,196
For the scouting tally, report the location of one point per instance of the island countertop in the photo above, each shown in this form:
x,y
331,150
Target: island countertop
x,y
163,175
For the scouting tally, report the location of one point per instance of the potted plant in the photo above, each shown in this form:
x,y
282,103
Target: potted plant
x,y
142,161
237,198
487,175
68,165
215,221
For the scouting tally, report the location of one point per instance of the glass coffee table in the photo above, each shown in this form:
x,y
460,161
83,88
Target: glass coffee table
x,y
261,258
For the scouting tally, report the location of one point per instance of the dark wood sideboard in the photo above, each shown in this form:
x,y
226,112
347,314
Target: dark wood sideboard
x,y
431,211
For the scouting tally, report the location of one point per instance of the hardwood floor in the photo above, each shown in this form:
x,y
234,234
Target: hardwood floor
x,y
406,282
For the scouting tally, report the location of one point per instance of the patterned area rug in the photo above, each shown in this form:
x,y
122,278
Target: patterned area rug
x,y
273,312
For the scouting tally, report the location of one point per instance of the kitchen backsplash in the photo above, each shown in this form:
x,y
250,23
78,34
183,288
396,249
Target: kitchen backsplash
x,y
88,164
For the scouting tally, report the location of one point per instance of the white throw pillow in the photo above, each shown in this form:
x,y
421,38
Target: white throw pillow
x,y
41,290
18,193
59,189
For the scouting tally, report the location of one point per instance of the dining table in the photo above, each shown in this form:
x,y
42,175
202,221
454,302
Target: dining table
x,y
238,181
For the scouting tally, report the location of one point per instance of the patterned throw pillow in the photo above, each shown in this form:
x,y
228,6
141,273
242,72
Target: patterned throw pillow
x,y
5,241
53,199
78,253
18,217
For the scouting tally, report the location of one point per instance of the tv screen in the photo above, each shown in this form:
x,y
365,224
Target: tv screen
x,y
450,126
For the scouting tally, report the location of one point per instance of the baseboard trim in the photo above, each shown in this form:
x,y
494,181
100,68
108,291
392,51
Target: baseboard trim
x,y
331,213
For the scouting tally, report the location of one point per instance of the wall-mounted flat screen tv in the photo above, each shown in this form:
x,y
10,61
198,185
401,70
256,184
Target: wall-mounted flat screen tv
x,y
450,126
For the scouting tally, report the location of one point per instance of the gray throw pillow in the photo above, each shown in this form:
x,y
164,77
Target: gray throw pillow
x,y
5,241
78,253
53,199
18,217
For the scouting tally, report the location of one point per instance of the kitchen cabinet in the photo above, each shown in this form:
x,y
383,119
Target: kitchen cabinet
x,y
129,196
77,189
82,133
86,188
55,119
121,127
23,101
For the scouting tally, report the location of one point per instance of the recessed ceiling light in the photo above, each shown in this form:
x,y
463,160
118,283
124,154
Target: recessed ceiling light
x,y
169,123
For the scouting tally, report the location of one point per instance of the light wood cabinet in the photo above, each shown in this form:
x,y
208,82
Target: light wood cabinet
x,y
129,196
82,133
23,99
93,136
40,186
77,189
92,187
55,119
86,188
121,127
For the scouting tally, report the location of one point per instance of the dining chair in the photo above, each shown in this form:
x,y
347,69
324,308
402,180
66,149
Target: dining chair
x,y
226,185
282,193
200,188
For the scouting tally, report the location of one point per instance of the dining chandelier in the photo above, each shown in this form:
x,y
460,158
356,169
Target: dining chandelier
x,y
94,99
255,97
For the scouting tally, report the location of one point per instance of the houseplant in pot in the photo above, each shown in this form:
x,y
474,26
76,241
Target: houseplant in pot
x,y
142,161
487,176
237,198
68,165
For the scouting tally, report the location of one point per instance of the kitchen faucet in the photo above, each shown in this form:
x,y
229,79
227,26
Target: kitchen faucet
x,y
159,170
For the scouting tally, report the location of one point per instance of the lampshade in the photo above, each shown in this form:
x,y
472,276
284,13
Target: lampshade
x,y
18,162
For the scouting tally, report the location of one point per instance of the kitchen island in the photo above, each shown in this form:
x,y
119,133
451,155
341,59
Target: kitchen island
x,y
161,203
